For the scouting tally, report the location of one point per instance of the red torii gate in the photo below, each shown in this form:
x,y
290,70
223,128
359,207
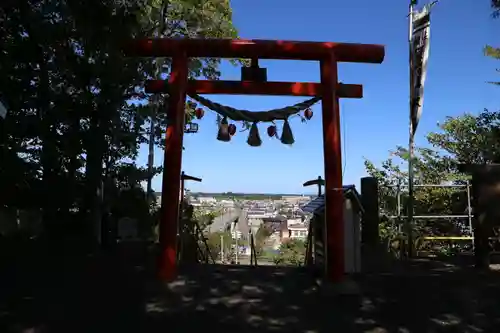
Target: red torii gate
x,y
330,90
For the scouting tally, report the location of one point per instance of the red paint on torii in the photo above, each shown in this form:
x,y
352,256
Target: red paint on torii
x,y
330,90
257,88
261,49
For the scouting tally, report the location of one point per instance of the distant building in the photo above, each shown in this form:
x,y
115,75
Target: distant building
x,y
207,200
227,203
274,223
254,223
298,231
236,234
296,199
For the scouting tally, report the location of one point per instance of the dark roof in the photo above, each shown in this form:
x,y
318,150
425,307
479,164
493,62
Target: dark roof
x,y
318,204
275,226
277,218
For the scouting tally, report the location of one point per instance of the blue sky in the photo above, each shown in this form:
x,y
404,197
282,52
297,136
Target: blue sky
x,y
371,126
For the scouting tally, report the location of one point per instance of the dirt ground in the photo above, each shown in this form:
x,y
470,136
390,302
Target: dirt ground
x,y
108,295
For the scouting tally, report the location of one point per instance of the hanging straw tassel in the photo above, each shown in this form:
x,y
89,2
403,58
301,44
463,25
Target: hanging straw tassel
x,y
286,134
254,136
223,134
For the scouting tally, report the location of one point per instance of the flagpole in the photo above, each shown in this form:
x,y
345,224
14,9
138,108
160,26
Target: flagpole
x,y
411,143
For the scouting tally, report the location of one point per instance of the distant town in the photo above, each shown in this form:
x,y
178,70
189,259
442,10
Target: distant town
x,y
244,213
248,196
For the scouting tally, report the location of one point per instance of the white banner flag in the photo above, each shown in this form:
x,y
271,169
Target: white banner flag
x,y
419,49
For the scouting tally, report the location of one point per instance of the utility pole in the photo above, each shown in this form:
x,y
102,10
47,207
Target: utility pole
x,y
184,177
418,44
236,244
222,248
249,243
411,143
156,99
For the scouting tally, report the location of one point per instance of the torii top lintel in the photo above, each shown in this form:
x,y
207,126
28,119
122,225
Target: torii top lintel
x,y
261,49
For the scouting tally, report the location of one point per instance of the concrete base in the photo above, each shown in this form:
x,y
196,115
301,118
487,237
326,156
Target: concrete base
x,y
347,287
178,286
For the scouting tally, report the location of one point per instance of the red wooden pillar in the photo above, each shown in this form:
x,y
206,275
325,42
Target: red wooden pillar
x,y
172,164
334,203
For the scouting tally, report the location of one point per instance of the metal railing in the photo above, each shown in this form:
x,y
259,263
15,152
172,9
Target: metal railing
x,y
457,187
192,239
204,252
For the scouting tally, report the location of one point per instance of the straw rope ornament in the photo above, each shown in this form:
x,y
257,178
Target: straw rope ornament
x,y
251,119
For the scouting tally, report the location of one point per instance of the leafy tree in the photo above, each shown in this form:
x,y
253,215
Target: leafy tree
x,y
493,52
193,224
261,236
490,51
73,125
291,252
461,140
180,18
495,5
205,218
214,244
468,139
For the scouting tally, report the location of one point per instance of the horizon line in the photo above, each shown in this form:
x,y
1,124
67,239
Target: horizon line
x,y
244,193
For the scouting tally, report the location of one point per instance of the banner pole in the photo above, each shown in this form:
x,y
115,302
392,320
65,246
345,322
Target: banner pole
x,y
411,143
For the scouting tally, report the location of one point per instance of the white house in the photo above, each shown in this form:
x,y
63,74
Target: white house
x,y
298,231
207,200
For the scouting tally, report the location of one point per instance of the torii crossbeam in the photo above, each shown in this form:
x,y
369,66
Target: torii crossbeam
x,y
329,89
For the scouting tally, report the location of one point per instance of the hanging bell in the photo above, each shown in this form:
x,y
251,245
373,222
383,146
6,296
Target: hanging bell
x,y
231,129
308,114
254,136
287,135
271,131
199,112
223,134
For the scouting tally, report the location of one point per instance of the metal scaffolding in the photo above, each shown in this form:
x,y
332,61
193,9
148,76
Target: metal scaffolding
x,y
462,187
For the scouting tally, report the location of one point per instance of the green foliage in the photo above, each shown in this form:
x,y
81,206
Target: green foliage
x,y
468,139
262,233
181,18
77,114
490,51
261,236
493,52
495,5
214,244
205,218
292,252
460,140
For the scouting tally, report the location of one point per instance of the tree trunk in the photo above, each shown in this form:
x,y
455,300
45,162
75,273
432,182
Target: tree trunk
x,y
49,157
93,179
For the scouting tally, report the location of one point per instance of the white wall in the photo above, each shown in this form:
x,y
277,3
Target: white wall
x,y
352,238
290,222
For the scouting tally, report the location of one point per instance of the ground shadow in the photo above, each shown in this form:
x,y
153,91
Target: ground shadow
x,y
429,296
112,294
